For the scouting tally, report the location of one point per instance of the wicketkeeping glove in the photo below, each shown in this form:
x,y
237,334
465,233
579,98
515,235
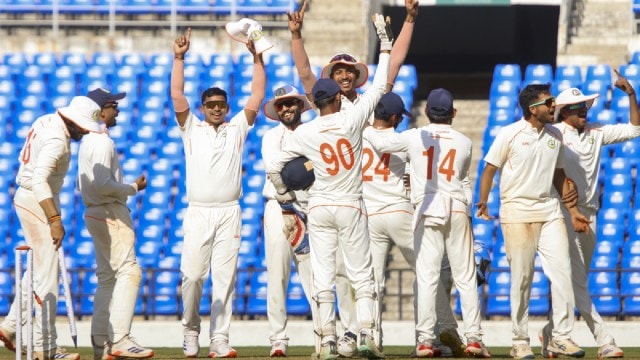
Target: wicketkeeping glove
x,y
295,229
383,30
483,261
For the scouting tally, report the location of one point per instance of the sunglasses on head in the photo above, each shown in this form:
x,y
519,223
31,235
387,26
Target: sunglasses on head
x,y
213,103
548,102
343,57
287,102
110,105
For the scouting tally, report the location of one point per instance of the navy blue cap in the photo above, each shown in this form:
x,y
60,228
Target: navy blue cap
x,y
391,104
440,102
324,89
298,174
102,96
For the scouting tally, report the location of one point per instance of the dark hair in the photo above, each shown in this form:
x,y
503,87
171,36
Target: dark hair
x,y
440,119
529,95
324,102
213,92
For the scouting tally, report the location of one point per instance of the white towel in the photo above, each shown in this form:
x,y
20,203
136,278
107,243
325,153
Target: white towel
x,y
435,209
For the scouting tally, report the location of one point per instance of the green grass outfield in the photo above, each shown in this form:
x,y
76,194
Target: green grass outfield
x,y
304,352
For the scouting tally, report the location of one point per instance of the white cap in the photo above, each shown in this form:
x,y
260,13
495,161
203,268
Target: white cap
x,y
572,96
84,112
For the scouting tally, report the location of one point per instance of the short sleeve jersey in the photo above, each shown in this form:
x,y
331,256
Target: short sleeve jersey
x,y
527,160
214,159
582,155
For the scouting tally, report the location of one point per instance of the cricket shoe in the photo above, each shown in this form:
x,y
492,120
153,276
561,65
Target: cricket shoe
x,y
368,347
328,350
221,349
477,349
58,353
521,351
451,338
610,351
8,338
190,346
544,335
127,347
424,349
348,345
565,347
279,349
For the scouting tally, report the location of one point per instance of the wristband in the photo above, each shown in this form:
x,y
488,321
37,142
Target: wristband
x,y
179,57
55,218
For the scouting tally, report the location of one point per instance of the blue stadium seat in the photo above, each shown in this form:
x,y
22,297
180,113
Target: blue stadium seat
x,y
135,60
77,62
538,74
509,103
572,73
597,86
83,252
156,199
619,199
630,71
600,72
164,293
148,253
498,298
17,61
46,61
297,303
631,300
257,299
604,262
87,290
606,300
507,72
504,88
559,86
151,233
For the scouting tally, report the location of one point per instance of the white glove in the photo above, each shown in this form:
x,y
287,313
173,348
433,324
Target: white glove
x,y
276,179
383,30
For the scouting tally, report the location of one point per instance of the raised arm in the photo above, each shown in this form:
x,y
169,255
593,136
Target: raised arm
x,y
180,103
624,85
300,57
402,43
258,86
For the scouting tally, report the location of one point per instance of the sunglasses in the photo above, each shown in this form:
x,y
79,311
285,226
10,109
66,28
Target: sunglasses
x,y
343,57
582,105
219,103
110,105
288,103
548,102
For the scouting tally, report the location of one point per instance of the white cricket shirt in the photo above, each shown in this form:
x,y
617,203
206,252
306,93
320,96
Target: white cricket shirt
x,y
101,180
582,155
527,160
333,143
44,158
214,159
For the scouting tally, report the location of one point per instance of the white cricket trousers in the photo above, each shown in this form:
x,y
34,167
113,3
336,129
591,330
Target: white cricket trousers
x,y
118,272
211,242
345,223
550,240
581,248
432,243
37,234
278,260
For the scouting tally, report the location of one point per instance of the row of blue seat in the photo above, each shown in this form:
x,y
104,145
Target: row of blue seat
x,y
217,7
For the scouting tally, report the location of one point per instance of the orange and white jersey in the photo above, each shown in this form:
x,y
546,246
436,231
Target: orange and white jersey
x,y
333,143
440,159
582,155
382,174
45,156
527,160
214,159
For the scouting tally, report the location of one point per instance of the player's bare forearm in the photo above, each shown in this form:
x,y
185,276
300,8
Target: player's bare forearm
x,y
303,66
180,103
258,89
486,182
399,52
566,188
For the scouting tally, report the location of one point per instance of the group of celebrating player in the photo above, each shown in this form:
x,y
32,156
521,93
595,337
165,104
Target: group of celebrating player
x,y
337,199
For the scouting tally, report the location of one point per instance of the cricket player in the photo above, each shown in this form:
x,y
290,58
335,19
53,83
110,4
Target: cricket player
x,y
284,219
530,156
108,220
44,161
213,154
350,74
440,158
584,142
337,216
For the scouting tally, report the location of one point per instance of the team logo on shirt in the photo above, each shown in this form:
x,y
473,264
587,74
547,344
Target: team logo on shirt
x,y
591,140
551,144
